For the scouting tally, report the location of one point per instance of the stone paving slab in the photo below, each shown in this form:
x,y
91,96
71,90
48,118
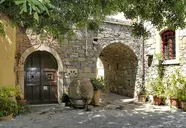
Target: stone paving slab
x,y
121,112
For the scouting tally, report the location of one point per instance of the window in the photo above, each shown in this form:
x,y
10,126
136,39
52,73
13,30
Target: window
x,y
168,45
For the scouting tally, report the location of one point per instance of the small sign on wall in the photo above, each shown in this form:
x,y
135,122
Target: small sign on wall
x,y
45,88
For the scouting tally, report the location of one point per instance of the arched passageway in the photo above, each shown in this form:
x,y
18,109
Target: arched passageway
x,y
120,68
40,78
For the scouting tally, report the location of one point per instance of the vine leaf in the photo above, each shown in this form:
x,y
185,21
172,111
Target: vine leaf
x,y
2,1
36,16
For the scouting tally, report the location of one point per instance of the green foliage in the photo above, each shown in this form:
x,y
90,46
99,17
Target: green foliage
x,y
18,94
155,87
160,66
58,16
7,107
138,30
33,7
176,86
160,13
23,109
6,92
97,83
2,31
65,98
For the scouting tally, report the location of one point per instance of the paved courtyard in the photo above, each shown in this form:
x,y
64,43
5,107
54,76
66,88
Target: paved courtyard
x,y
116,112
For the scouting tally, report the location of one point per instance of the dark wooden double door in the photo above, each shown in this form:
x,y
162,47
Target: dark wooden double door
x,y
40,78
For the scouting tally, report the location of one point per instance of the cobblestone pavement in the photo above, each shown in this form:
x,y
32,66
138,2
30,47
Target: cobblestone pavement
x,y
116,112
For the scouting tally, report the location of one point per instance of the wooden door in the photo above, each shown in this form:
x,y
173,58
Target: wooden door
x,y
40,78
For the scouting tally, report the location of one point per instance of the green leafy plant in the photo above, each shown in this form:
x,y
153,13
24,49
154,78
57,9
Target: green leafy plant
x,y
6,92
97,83
7,107
23,109
65,98
18,94
155,87
176,86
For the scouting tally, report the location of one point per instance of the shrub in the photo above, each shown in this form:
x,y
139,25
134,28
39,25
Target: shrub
x,y
155,87
7,107
18,94
176,86
7,92
97,83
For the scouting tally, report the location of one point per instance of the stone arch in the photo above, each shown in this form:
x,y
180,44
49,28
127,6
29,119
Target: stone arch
x,y
41,47
120,68
130,45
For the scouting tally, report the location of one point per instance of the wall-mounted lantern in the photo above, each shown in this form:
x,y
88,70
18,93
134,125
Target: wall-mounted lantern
x,y
149,60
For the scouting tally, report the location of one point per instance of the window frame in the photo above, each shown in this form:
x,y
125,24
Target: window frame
x,y
167,37
159,46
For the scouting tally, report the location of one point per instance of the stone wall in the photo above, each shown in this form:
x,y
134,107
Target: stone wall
x,y
79,56
153,47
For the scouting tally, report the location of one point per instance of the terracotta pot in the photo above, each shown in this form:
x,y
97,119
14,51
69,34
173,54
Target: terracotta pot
x,y
174,102
183,105
142,98
22,101
9,117
96,97
157,100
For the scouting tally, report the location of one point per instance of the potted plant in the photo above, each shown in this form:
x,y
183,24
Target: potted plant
x,y
98,86
179,82
8,108
182,99
19,96
142,96
156,88
174,90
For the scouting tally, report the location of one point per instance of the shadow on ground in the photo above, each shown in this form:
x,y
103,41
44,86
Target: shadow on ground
x,y
115,112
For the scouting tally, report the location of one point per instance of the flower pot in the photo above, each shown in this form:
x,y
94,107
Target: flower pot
x,y
174,102
183,105
96,97
157,100
142,98
8,117
21,101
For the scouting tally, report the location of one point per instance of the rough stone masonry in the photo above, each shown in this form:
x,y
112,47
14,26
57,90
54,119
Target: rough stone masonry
x,y
120,53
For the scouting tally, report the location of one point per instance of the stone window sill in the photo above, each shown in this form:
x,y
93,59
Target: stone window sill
x,y
171,62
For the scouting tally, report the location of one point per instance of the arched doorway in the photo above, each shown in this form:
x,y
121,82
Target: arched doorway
x,y
120,68
40,78
100,68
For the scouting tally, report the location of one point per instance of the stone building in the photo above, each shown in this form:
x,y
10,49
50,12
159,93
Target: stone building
x,y
45,66
171,46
